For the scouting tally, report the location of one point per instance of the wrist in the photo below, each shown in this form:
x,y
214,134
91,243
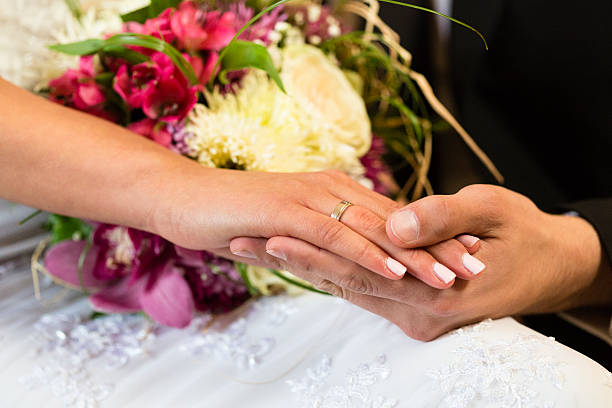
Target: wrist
x,y
171,190
583,262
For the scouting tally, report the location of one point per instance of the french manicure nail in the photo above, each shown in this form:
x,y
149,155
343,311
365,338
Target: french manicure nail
x,y
442,272
405,226
472,264
277,254
395,267
468,241
245,254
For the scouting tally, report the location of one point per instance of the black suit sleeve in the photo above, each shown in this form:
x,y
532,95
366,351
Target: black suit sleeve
x,y
599,213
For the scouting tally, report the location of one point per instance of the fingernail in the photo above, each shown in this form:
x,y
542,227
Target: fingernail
x,y
442,272
468,241
277,254
405,225
396,267
245,254
472,264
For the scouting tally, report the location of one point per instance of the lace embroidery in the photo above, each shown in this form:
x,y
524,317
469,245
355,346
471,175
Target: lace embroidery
x,y
498,372
72,343
314,390
234,344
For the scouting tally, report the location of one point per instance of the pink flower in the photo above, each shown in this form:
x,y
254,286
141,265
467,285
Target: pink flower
x,y
129,270
158,27
78,89
203,70
132,82
376,169
156,131
170,99
262,28
158,87
198,29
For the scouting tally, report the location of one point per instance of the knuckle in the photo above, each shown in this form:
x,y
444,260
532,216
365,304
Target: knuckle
x,y
334,175
331,288
367,221
442,307
356,283
330,232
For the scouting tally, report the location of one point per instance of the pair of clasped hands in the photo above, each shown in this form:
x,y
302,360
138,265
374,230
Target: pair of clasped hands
x,y
436,264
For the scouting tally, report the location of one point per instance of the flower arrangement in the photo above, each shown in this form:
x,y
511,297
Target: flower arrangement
x,y
242,85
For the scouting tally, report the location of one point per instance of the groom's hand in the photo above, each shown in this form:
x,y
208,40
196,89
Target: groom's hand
x,y
536,262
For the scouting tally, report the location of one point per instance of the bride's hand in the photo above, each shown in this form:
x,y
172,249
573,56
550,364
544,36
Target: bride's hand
x,y
208,212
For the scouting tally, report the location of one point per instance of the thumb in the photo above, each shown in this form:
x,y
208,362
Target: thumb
x,y
440,217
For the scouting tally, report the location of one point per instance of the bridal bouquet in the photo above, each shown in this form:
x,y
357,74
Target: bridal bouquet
x,y
238,85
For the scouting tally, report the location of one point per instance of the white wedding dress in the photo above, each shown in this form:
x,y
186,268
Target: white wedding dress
x,y
304,351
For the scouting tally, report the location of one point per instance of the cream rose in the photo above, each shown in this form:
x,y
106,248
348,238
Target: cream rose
x,y
322,90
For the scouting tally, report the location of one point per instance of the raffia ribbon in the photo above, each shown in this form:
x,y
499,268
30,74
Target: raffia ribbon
x,y
368,10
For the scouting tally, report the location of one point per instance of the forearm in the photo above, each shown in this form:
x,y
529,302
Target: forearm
x,y
61,160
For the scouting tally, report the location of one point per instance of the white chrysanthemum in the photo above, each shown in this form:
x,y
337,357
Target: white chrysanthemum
x,y
39,23
260,128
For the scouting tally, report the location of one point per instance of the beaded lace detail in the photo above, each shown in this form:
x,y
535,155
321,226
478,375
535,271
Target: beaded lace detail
x,y
67,346
316,389
235,345
72,343
500,373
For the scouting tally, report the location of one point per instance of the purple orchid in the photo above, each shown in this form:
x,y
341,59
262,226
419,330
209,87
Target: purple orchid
x,y
128,271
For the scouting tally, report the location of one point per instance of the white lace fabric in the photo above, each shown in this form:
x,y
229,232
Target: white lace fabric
x,y
305,351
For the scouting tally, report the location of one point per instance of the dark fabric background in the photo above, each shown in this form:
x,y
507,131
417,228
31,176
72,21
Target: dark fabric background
x,y
538,103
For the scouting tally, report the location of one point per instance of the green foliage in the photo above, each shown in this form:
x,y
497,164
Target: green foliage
x,y
114,43
242,270
155,8
297,283
118,51
85,47
96,315
244,54
63,228
260,58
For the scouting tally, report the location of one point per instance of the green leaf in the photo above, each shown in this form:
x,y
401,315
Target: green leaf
x,y
113,43
153,43
296,283
86,47
154,9
139,16
227,48
96,315
158,6
63,228
105,79
131,56
241,54
242,270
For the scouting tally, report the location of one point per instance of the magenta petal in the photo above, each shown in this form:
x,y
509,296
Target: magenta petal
x,y
89,95
190,257
121,297
62,260
169,301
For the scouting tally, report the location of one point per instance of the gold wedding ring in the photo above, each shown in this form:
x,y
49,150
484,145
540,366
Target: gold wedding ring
x,y
340,209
